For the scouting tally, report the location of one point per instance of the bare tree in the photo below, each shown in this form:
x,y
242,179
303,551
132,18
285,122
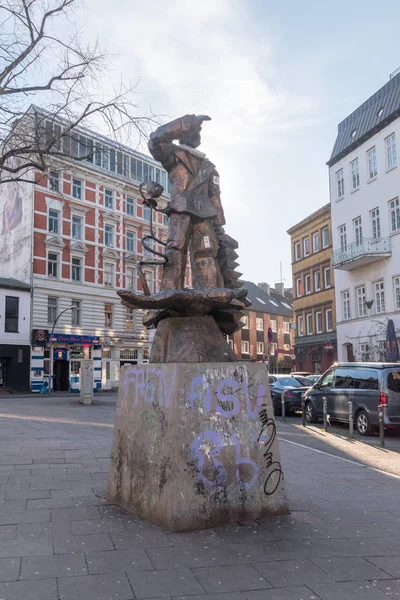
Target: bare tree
x,y
44,60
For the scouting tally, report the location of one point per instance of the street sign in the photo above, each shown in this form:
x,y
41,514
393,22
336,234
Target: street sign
x,y
269,334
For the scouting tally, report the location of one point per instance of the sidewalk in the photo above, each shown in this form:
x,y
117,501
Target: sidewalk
x,y
60,540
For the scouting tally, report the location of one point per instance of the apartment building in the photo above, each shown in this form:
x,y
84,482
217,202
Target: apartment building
x,y
270,316
314,296
74,237
364,190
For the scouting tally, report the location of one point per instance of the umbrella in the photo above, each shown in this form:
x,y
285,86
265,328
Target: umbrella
x,y
392,348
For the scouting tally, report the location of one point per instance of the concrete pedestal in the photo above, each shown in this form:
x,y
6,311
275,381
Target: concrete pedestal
x,y
86,382
195,445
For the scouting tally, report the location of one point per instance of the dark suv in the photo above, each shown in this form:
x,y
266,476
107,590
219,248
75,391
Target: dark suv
x,y
367,385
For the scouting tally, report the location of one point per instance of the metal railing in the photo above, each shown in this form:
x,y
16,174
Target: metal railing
x,y
364,247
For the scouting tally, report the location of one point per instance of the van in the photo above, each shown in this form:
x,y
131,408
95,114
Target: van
x,y
367,385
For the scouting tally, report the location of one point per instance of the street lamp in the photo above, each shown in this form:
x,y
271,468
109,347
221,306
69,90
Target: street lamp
x,y
51,346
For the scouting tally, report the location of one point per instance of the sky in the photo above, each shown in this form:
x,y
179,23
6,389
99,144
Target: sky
x,y
275,76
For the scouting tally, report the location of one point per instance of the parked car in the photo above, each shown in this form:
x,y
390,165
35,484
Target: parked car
x,y
294,389
367,385
314,378
302,373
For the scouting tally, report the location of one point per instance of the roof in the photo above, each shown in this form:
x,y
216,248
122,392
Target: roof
x,y
318,213
373,115
14,284
368,365
273,304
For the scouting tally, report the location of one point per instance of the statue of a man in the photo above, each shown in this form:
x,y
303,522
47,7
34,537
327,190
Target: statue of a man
x,y
195,208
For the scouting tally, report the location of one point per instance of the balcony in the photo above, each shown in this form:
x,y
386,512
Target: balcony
x,y
362,253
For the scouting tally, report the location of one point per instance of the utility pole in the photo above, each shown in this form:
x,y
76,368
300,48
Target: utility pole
x,y
51,346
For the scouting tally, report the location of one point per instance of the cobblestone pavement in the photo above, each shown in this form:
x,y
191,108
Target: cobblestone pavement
x,y
61,540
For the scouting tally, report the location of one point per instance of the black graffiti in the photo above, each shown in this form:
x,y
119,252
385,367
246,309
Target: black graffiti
x,y
274,469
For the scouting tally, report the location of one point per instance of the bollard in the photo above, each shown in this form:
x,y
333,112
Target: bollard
x,y
303,412
381,425
351,419
283,404
325,412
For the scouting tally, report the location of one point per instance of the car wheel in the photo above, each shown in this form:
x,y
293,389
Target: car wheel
x,y
311,415
363,423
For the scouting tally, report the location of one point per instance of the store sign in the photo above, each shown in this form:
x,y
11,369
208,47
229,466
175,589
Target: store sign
x,y
68,338
60,354
328,346
40,336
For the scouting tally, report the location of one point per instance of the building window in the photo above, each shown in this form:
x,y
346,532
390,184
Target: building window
x,y
54,221
309,323
342,237
299,288
306,246
245,320
131,241
245,347
108,198
52,310
396,289
315,241
108,316
77,188
297,254
273,325
317,281
108,274
76,313
328,319
166,220
355,174
379,297
327,277
371,160
274,348
394,215
150,244
109,235
12,313
52,264
375,223
131,279
357,226
300,326
260,347
76,269
54,181
391,154
260,324
346,312
146,213
325,237
307,284
318,321
360,294
130,206
286,327
150,280
129,318
76,227
364,351
340,183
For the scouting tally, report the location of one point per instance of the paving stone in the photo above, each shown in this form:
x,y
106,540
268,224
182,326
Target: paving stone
x,y
9,569
82,543
50,503
49,567
391,588
77,513
288,593
231,554
286,573
151,584
245,534
28,495
350,569
29,590
184,557
11,517
26,547
98,526
110,586
351,590
389,564
8,532
295,531
205,537
227,596
232,578
344,530
145,539
118,560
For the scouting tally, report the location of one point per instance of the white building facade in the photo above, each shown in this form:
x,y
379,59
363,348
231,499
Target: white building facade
x,y
364,175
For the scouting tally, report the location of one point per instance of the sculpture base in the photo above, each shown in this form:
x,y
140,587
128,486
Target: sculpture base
x,y
195,445
190,340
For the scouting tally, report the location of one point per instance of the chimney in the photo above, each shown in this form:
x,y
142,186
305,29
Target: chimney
x,y
264,287
280,288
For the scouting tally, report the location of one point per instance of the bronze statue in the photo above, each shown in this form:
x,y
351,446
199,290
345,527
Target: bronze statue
x,y
196,224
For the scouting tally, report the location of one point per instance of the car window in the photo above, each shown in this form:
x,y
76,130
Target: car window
x,y
304,380
327,380
365,379
272,380
344,379
289,381
393,381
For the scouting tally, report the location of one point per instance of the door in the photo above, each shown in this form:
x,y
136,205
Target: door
x,y
323,390
393,391
61,368
341,393
3,372
366,392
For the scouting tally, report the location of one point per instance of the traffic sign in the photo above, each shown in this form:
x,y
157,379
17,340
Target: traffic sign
x,y
269,334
